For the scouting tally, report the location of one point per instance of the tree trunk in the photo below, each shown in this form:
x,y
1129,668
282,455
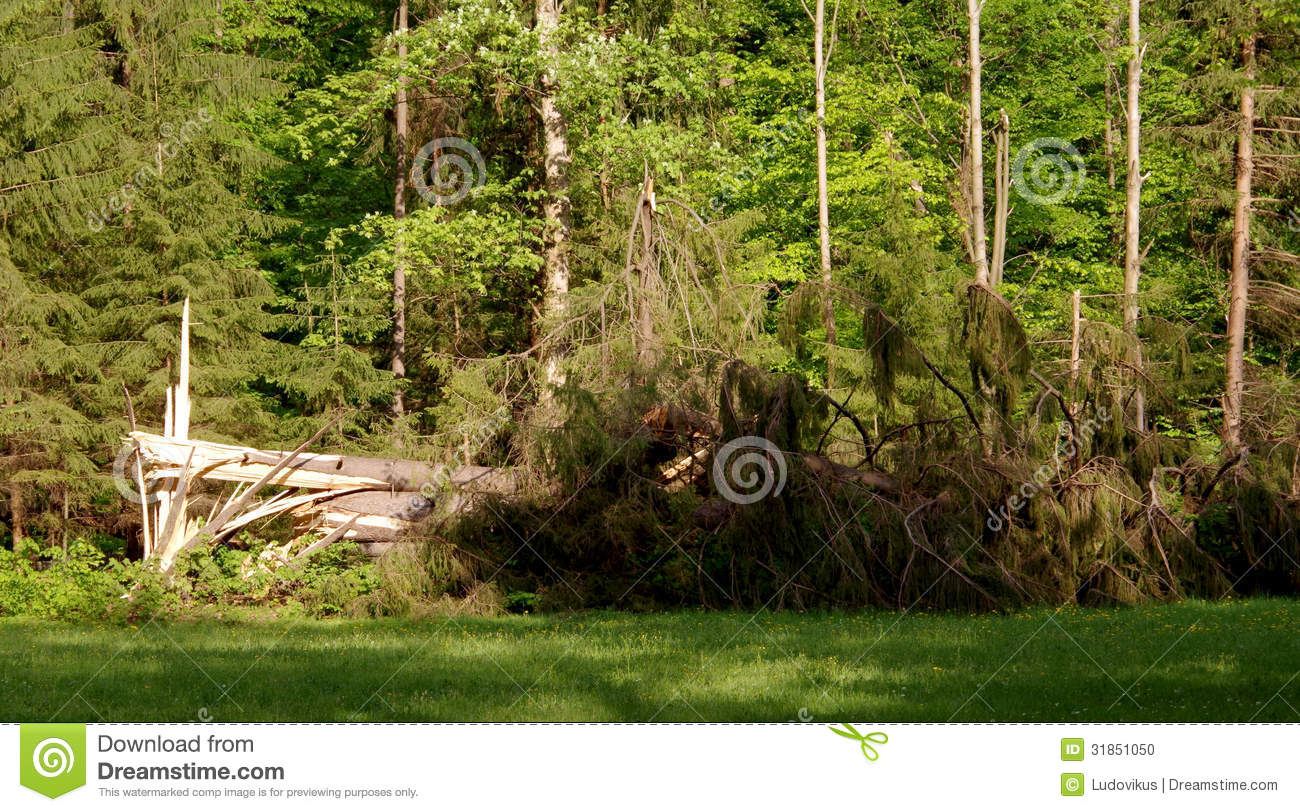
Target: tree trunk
x,y
1001,198
1111,81
1239,282
647,278
555,135
399,213
1133,203
1076,332
823,196
979,239
17,514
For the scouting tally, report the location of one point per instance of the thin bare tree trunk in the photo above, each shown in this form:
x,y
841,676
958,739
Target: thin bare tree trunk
x,y
1110,141
961,204
17,514
1001,198
556,209
1239,282
1076,324
181,400
1133,201
979,239
647,277
1111,81
399,213
823,197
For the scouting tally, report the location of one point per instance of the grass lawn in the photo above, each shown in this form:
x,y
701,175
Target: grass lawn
x,y
1196,661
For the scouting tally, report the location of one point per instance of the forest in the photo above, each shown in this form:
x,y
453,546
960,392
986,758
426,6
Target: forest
x,y
744,304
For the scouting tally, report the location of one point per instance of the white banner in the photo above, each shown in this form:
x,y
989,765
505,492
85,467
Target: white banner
x,y
648,767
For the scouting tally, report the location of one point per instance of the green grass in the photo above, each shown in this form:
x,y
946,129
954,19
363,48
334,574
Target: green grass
x,y
1195,661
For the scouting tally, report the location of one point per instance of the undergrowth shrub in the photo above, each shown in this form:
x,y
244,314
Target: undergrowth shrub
x,y
81,582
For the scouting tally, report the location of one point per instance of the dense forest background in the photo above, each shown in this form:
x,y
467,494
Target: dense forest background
x,y
584,241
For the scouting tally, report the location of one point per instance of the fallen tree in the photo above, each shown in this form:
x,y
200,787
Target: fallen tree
x,y
371,500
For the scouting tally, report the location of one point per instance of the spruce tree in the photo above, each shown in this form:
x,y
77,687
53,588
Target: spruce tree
x,y
126,184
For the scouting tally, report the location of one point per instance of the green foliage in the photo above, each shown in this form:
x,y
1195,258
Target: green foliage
x,y
671,666
521,602
243,155
81,582
78,583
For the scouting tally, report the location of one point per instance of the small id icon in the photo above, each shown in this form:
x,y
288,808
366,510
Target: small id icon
x,y
1071,749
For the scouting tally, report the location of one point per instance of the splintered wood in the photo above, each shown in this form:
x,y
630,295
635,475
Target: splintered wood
x,y
366,499
376,499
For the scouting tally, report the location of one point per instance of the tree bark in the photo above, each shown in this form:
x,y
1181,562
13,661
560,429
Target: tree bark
x,y
17,514
1111,82
399,213
1133,201
979,239
1110,140
1001,198
647,278
823,196
1076,332
556,209
1239,281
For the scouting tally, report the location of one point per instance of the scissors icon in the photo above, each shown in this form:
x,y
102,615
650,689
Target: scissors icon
x,y
876,737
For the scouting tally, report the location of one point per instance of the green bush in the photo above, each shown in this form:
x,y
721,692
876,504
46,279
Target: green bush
x,y
82,582
76,583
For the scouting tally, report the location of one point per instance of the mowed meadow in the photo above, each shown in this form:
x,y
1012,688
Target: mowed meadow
x,y
1196,661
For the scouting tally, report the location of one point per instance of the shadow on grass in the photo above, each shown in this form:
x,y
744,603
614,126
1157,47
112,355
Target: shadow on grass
x,y
1234,661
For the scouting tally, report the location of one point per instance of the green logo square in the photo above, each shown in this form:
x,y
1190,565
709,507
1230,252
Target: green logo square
x,y
1071,749
1071,783
52,758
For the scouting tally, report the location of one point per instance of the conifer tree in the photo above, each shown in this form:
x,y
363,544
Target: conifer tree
x,y
124,174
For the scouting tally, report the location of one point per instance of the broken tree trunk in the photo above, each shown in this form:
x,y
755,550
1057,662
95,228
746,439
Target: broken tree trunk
x,y
385,496
675,423
232,463
1001,197
365,499
171,507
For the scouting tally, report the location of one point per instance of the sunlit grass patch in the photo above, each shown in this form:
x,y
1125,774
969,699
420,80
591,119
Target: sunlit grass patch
x,y
1193,661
